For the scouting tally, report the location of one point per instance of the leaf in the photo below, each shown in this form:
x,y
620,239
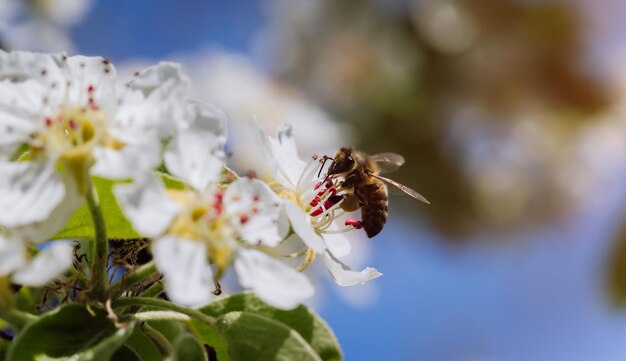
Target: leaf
x,y
80,224
210,336
310,327
254,337
143,346
125,353
187,348
70,330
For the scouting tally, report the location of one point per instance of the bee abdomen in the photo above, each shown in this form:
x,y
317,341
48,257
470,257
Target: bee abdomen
x,y
374,212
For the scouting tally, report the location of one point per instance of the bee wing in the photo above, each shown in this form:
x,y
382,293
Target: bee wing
x,y
408,191
388,162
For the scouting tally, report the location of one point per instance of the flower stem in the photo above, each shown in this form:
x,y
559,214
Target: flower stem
x,y
161,342
162,304
99,248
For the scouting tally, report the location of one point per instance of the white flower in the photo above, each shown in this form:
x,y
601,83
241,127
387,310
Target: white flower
x,y
203,223
312,205
48,264
70,116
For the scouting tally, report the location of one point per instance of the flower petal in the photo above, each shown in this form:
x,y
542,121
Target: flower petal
x,y
301,225
273,281
188,277
338,244
164,88
147,205
29,191
196,154
283,156
344,275
11,255
254,211
47,265
131,161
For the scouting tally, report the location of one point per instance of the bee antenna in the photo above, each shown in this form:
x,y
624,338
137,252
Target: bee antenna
x,y
323,161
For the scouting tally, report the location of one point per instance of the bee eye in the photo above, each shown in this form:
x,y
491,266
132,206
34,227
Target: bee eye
x,y
350,159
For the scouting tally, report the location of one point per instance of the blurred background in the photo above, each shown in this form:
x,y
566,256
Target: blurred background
x,y
511,115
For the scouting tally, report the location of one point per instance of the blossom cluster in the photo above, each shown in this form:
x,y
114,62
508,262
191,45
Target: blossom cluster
x,y
65,119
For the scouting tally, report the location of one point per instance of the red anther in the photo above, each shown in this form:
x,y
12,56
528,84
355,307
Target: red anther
x,y
317,186
91,100
354,223
251,174
243,218
73,124
48,122
90,88
105,61
259,242
329,183
255,210
332,191
329,203
317,212
315,201
136,73
256,197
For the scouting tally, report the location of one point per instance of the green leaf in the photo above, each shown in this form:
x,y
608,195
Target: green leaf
x,y
254,337
210,336
143,346
80,224
125,353
70,330
187,348
310,327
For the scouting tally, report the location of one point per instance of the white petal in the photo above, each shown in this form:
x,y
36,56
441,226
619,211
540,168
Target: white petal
x,y
129,162
273,281
147,205
188,277
196,154
283,155
84,73
344,275
255,212
29,191
47,265
11,255
20,110
21,65
164,88
338,244
302,226
42,231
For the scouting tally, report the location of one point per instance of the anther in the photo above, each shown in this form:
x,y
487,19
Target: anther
x,y
243,218
354,223
251,174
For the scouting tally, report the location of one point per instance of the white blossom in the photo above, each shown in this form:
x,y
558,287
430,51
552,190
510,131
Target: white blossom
x,y
206,224
70,116
312,205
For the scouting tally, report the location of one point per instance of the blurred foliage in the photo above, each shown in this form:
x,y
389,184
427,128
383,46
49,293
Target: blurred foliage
x,y
484,98
616,277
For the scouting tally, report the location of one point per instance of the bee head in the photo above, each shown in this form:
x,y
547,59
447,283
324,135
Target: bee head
x,y
343,162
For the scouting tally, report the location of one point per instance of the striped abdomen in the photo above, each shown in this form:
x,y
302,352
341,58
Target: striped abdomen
x,y
374,211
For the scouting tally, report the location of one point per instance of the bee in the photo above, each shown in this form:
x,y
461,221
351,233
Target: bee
x,y
367,189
